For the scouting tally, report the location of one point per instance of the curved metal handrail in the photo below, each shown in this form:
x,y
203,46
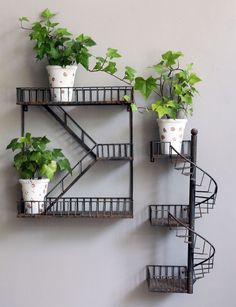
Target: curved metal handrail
x,y
213,195
211,256
204,265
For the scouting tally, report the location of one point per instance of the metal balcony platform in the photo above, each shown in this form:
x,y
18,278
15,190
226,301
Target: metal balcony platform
x,y
159,215
167,278
96,95
80,207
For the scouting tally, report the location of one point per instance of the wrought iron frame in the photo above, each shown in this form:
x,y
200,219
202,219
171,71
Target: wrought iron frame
x,y
202,195
118,207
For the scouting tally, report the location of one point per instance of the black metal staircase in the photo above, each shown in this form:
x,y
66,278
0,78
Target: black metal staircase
x,y
202,196
93,152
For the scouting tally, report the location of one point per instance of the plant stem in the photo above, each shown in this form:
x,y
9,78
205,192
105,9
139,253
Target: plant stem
x,y
115,76
24,28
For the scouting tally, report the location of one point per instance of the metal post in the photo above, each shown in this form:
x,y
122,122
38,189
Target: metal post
x,y
23,120
192,188
131,188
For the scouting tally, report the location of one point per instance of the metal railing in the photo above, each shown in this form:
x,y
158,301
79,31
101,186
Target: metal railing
x,y
114,151
78,207
96,95
167,278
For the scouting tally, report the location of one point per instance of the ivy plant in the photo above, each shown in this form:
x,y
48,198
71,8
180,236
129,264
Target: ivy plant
x,y
57,44
174,86
34,160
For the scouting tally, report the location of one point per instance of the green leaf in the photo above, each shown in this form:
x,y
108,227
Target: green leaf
x,y
35,156
160,68
129,73
48,170
14,144
47,14
26,174
54,53
134,108
178,89
126,98
57,153
165,107
19,159
100,59
64,164
23,18
86,40
145,87
62,32
187,98
110,68
193,79
112,53
170,57
189,66
39,143
97,66
83,58
161,110
172,113
25,139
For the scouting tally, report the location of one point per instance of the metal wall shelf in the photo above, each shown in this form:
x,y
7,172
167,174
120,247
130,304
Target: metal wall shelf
x,y
98,207
87,96
167,278
80,207
159,215
202,195
158,150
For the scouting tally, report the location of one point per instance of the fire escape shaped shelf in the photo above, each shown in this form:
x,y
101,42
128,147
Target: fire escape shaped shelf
x,y
181,217
56,204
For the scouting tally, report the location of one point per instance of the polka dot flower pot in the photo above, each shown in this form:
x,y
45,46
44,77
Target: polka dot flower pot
x,y
61,81
34,192
171,130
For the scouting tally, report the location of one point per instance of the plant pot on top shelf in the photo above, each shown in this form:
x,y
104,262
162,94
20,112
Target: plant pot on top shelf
x,y
37,166
61,82
63,53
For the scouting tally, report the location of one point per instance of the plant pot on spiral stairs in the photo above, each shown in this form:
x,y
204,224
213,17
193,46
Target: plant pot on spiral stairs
x,y
175,88
63,53
37,166
171,131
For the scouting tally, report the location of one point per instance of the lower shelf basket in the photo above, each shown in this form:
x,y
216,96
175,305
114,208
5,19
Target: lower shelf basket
x,y
167,278
82,207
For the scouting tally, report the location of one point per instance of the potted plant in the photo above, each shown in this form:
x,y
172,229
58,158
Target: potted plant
x,y
37,166
173,90
62,51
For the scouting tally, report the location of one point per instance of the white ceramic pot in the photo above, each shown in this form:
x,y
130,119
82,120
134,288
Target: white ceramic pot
x,y
172,131
61,81
34,192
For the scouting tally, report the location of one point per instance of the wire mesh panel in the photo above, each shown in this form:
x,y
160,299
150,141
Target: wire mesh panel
x,y
97,207
159,214
167,278
109,95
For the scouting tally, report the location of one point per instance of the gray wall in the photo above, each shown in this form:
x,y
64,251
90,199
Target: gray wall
x,y
73,263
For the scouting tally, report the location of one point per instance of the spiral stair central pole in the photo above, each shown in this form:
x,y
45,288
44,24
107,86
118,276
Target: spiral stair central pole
x,y
192,189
